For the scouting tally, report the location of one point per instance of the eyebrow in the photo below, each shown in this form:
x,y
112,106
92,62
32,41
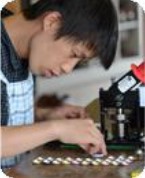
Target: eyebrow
x,y
84,56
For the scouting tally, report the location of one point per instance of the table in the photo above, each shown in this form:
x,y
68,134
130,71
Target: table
x,y
27,170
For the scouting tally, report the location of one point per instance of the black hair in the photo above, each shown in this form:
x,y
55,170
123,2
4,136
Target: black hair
x,y
93,22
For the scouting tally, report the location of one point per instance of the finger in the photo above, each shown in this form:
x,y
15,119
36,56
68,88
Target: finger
x,y
94,149
104,148
73,115
100,141
84,147
79,115
92,144
89,148
103,144
84,113
80,112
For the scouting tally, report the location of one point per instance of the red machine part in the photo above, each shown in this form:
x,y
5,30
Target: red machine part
x,y
139,71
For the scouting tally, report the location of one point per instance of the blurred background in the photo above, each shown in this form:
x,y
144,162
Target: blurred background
x,y
83,84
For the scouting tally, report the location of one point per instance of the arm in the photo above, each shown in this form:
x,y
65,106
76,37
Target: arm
x,y
51,107
64,111
19,139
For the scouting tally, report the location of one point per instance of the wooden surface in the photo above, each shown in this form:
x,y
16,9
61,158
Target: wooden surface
x,y
27,170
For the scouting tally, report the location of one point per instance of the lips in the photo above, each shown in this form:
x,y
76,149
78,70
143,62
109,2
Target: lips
x,y
47,73
51,73
56,73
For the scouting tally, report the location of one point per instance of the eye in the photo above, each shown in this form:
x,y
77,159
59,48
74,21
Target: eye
x,y
84,61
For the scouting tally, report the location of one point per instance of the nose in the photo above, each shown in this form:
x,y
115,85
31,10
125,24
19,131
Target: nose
x,y
68,66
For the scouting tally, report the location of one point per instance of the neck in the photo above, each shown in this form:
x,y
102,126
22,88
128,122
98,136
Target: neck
x,y
20,32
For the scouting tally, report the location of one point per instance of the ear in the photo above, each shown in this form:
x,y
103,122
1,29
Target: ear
x,y
51,21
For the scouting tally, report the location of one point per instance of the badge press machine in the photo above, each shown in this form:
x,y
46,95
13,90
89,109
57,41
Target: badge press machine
x,y
122,109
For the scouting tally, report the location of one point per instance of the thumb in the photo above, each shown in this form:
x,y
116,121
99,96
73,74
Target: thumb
x,y
89,148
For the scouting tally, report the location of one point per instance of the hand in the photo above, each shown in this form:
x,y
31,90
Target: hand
x,y
81,132
68,111
64,111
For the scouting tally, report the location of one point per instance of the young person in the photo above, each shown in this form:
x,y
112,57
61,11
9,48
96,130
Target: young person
x,y
50,38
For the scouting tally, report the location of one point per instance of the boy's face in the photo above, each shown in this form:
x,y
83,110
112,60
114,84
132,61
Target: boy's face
x,y
50,57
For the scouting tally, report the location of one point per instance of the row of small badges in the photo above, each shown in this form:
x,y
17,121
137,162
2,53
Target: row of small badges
x,y
110,160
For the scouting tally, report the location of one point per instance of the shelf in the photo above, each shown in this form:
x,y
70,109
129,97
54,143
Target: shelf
x,y
129,25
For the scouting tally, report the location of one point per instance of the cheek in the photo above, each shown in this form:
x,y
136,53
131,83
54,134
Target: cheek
x,y
41,60
34,61
38,56
46,54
